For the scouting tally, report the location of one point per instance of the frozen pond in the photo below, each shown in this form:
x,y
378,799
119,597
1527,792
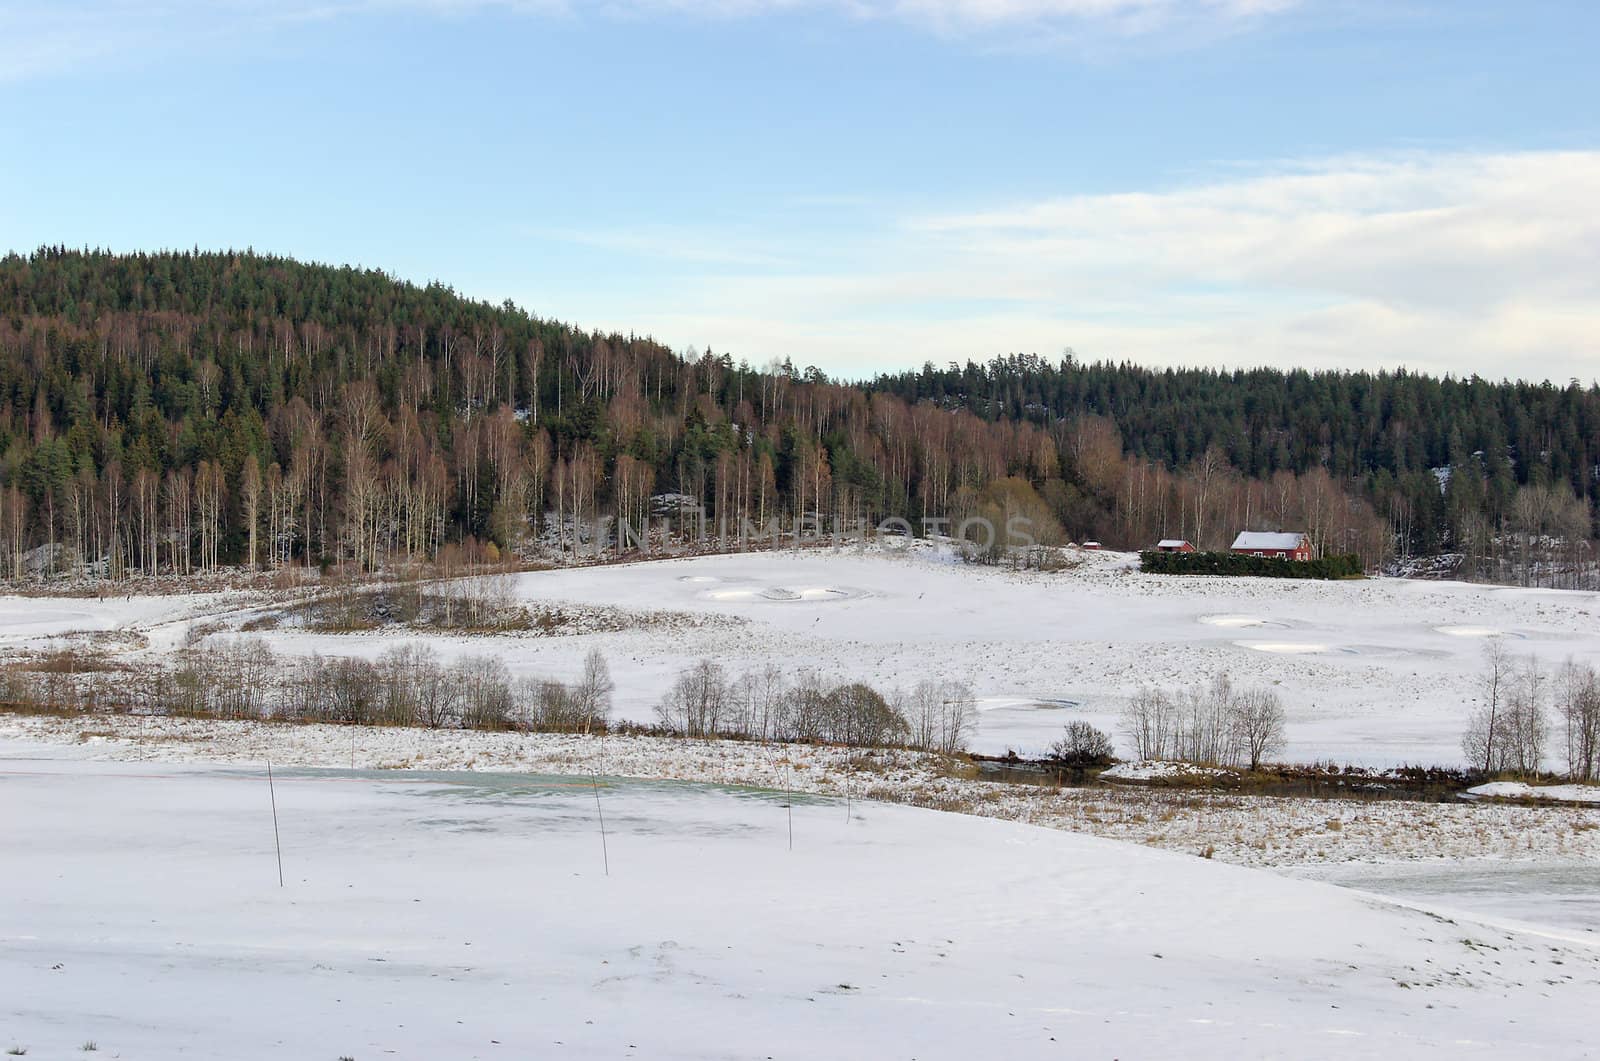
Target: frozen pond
x,y
1561,895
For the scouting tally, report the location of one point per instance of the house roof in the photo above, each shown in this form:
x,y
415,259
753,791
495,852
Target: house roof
x,y
1268,540
1170,543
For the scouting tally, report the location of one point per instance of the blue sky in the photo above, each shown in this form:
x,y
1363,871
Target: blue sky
x,y
863,184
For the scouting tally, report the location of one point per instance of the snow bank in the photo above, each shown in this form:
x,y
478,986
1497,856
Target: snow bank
x,y
1521,790
1156,770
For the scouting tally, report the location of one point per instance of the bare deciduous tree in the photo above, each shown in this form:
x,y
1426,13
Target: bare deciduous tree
x,y
1218,725
1508,730
1579,704
250,506
939,714
1150,722
1484,727
862,718
485,691
697,701
593,692
1259,724
1081,745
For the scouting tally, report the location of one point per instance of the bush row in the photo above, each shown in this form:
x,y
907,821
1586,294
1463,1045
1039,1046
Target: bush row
x,y
408,685
706,701
1159,563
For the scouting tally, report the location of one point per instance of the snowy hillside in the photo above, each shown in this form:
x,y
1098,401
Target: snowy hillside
x,y
471,916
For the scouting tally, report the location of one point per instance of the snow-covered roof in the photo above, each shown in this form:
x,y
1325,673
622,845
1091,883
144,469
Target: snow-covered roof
x,y
1267,540
1171,543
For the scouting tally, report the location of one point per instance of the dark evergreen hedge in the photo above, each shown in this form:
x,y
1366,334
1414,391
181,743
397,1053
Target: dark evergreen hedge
x,y
1160,563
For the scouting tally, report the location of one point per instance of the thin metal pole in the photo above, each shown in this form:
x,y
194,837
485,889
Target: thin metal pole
x,y
849,755
594,781
277,844
605,853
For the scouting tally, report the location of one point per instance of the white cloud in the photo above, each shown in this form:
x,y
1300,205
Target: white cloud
x,y
1098,28
47,38
980,12
1462,263
1434,231
1131,15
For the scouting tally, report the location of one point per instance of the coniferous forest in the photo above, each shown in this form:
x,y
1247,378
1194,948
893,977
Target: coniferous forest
x,y
179,412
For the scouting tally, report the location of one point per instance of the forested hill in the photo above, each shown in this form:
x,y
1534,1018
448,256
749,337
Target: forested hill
x,y
1527,453
172,411
1356,424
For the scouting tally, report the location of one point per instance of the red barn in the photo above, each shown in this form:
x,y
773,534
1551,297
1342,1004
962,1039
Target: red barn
x,y
1174,545
1279,545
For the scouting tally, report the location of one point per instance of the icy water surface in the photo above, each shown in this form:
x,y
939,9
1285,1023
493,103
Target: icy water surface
x,y
1564,895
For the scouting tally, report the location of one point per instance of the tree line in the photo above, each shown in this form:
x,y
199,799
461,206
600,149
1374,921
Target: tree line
x,y
179,412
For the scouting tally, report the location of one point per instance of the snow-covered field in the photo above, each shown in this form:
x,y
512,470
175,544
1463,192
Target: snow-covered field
x,y
471,916
446,893
1378,672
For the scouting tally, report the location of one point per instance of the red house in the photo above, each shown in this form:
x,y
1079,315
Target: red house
x,y
1174,545
1279,545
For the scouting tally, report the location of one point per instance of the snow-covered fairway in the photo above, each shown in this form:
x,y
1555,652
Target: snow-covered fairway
x,y
468,916
1378,672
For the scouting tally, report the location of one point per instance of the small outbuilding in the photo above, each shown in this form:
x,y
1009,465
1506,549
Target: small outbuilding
x,y
1279,545
1174,545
